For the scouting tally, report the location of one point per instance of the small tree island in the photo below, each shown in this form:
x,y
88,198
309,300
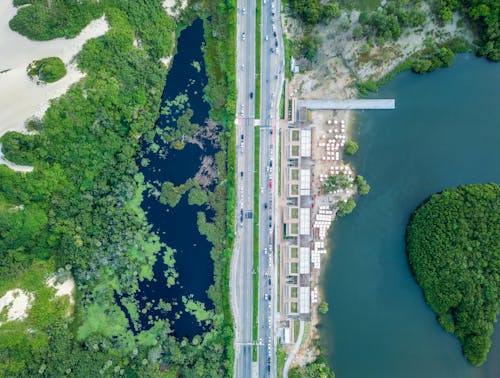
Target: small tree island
x,y
47,70
453,245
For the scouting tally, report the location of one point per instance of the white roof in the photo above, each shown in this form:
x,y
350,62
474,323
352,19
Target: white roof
x,y
305,182
305,260
304,299
305,142
304,221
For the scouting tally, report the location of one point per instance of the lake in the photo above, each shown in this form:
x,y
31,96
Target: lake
x,y
444,132
177,227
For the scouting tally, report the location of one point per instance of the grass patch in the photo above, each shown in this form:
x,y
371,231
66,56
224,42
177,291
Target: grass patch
x,y
294,268
294,292
295,172
288,56
281,360
295,135
255,322
293,307
295,190
294,213
294,253
296,326
282,102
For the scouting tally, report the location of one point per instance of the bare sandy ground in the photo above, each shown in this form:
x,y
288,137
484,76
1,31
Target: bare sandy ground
x,y
21,98
17,302
174,7
66,287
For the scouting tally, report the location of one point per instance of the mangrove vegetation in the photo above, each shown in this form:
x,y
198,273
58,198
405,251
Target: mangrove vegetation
x,y
453,245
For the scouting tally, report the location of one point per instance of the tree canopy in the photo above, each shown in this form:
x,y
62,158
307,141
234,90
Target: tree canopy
x,y
453,245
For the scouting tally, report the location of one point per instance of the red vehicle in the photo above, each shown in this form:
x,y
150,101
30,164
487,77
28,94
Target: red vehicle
x,y
270,184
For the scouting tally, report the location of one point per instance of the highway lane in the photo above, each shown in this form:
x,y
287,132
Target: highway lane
x,y
272,72
242,264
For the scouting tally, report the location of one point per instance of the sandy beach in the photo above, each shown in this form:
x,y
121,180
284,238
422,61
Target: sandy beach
x,y
20,97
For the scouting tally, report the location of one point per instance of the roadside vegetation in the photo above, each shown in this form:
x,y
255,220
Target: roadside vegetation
x,y
310,13
453,244
318,368
47,70
80,208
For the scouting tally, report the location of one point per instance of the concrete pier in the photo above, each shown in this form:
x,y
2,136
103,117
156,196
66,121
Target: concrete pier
x,y
355,104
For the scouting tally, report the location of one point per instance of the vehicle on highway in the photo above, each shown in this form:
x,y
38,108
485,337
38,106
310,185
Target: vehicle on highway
x,y
243,11
243,67
267,37
272,50
274,33
241,174
243,36
277,51
276,43
242,136
270,184
251,94
265,206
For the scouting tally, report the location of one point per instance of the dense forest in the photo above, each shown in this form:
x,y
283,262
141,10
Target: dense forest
x,y
453,245
79,211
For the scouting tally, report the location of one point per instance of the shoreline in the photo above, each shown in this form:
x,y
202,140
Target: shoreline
x,y
339,62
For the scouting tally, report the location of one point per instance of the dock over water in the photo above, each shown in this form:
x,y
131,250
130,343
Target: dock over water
x,y
355,104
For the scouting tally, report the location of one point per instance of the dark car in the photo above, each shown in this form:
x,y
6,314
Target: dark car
x,y
276,44
265,206
241,173
251,94
272,50
274,33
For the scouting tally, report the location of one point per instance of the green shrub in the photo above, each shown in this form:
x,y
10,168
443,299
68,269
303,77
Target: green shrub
x,y
351,147
47,70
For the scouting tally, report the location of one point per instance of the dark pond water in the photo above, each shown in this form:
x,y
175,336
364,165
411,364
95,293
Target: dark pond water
x,y
177,227
444,132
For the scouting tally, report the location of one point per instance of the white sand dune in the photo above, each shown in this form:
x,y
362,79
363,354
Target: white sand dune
x,y
21,98
65,288
17,303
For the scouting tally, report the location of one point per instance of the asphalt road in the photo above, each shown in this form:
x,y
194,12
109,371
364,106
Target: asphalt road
x,y
271,84
242,264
